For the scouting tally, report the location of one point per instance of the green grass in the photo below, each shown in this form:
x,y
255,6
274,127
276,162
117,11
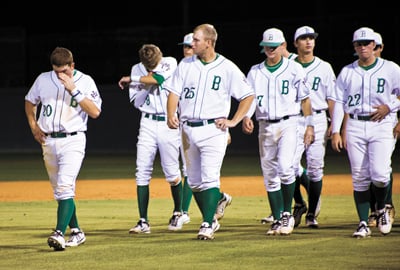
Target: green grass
x,y
240,243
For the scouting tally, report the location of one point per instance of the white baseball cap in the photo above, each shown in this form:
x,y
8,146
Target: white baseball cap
x,y
305,31
187,40
272,37
378,39
364,33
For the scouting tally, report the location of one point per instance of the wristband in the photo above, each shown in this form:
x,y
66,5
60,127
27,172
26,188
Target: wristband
x,y
309,120
135,78
77,95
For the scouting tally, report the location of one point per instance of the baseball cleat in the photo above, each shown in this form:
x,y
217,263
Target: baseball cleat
x,y
56,241
267,220
76,238
384,224
287,221
372,220
362,231
206,232
174,224
275,228
298,211
311,221
141,227
222,204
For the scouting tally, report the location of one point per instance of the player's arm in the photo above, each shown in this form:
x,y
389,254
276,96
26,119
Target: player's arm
x,y
247,122
309,135
172,105
337,119
30,111
243,108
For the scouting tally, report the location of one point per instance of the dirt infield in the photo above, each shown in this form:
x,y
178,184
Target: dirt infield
x,y
126,189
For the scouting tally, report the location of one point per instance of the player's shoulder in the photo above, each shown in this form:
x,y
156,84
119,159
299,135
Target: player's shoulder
x,y
169,59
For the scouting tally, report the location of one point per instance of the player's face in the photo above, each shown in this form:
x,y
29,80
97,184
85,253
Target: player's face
x,y
305,44
67,69
187,50
274,53
200,44
364,48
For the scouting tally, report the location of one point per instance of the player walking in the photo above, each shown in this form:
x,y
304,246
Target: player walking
x,y
320,79
67,97
147,94
203,86
361,87
281,92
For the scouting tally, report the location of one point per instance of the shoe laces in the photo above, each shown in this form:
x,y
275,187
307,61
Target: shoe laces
x,y
382,218
362,227
275,226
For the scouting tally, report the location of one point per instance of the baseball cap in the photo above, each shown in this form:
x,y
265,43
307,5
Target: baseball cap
x,y
364,33
305,31
272,37
187,39
378,39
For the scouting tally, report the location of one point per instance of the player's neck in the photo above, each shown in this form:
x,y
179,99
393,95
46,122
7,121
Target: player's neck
x,y
305,58
208,57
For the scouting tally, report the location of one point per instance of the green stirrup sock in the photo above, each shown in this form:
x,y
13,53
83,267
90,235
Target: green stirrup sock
x,y
287,196
143,200
65,210
314,192
276,203
176,192
187,196
207,201
361,199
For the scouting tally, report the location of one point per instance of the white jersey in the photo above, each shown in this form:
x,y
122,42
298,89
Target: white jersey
x,y
151,98
59,111
287,88
361,90
210,96
321,83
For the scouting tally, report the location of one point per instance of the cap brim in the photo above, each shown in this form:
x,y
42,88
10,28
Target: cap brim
x,y
364,40
182,43
270,44
314,35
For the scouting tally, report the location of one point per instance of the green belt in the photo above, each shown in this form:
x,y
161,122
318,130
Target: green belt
x,y
200,123
155,117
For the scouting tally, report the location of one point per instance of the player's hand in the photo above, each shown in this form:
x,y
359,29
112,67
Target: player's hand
x,y
173,122
247,125
380,113
38,134
336,142
309,136
67,81
124,82
396,131
224,124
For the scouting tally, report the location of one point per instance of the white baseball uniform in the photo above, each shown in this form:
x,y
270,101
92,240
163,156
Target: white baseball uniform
x,y
320,79
369,143
65,122
205,92
277,110
154,134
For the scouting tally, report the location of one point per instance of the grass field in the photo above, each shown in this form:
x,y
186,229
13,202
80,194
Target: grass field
x,y
241,242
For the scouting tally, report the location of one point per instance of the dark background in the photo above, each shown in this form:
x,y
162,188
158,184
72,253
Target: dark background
x,y
105,40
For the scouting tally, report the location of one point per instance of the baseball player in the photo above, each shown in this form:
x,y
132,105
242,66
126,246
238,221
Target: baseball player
x,y
320,79
67,97
361,87
187,51
203,86
281,92
389,202
147,94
